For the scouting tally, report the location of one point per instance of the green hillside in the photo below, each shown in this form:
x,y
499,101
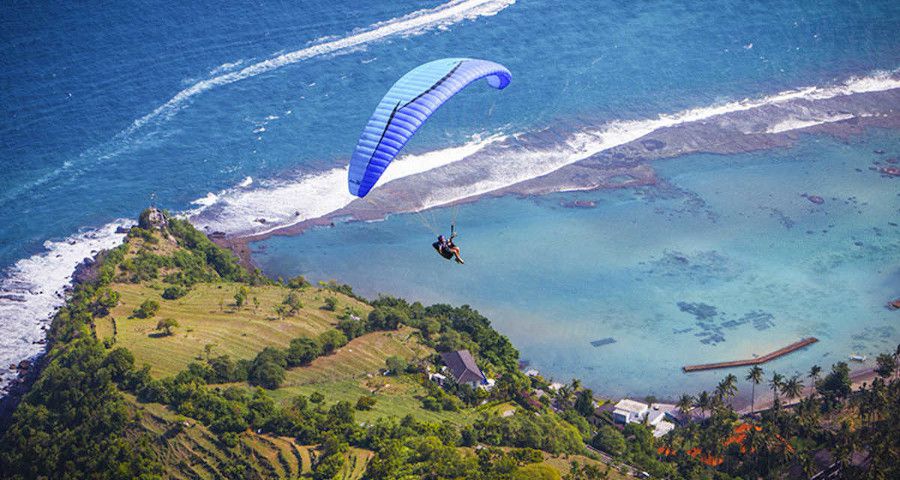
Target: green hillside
x,y
172,361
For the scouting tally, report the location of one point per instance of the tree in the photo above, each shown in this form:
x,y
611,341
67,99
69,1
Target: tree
x,y
387,318
814,372
207,349
396,364
174,292
106,300
241,296
365,402
610,440
297,282
147,309
166,325
330,304
836,385
704,402
267,375
775,384
727,388
684,405
331,340
584,403
755,377
351,328
255,304
292,302
885,365
302,351
792,388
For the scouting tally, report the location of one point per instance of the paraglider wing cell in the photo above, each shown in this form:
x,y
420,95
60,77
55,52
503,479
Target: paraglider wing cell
x,y
406,106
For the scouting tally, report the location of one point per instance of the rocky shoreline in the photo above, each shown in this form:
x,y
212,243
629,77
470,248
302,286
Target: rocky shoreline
x,y
28,370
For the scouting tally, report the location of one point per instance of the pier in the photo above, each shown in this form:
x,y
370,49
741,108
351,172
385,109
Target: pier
x,y
753,361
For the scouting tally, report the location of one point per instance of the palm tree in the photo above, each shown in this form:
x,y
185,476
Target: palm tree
x,y
704,401
576,384
775,384
814,372
684,405
730,384
792,388
755,376
885,365
564,397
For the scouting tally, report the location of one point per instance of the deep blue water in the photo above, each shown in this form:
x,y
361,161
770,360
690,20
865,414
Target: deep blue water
x,y
81,146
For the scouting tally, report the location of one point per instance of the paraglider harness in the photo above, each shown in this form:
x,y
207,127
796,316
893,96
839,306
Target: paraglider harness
x,y
442,248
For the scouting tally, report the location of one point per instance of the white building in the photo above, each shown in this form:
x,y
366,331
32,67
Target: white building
x,y
631,411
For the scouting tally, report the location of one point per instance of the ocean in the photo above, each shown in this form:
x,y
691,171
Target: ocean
x,y
692,247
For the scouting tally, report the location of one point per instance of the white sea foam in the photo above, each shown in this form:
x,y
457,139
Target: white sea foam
x,y
521,165
413,23
226,67
33,288
282,203
795,123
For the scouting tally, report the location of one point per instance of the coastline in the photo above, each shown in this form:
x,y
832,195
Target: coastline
x,y
636,156
629,164
625,165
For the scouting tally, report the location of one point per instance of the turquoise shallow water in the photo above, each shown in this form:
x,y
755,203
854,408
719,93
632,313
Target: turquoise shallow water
x,y
725,259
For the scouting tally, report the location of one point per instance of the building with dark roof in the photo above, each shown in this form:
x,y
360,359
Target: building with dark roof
x,y
462,367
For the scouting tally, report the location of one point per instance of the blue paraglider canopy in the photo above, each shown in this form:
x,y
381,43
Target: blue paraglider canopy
x,y
406,106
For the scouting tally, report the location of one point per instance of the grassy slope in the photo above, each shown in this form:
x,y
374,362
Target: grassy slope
x,y
207,315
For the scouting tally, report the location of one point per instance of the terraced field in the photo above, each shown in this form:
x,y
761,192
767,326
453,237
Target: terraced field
x,y
207,315
190,451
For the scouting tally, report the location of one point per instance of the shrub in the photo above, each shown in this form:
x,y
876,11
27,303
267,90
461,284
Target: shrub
x,y
297,282
431,403
387,318
396,365
292,302
331,340
267,375
267,369
174,292
330,304
106,299
241,296
609,440
166,325
365,402
147,309
351,328
302,351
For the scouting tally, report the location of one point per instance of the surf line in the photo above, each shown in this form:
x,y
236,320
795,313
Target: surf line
x,y
415,22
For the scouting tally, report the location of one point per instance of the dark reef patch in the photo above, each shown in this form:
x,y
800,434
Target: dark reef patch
x,y
603,341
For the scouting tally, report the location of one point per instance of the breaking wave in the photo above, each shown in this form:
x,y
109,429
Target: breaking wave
x,y
501,161
33,288
414,23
